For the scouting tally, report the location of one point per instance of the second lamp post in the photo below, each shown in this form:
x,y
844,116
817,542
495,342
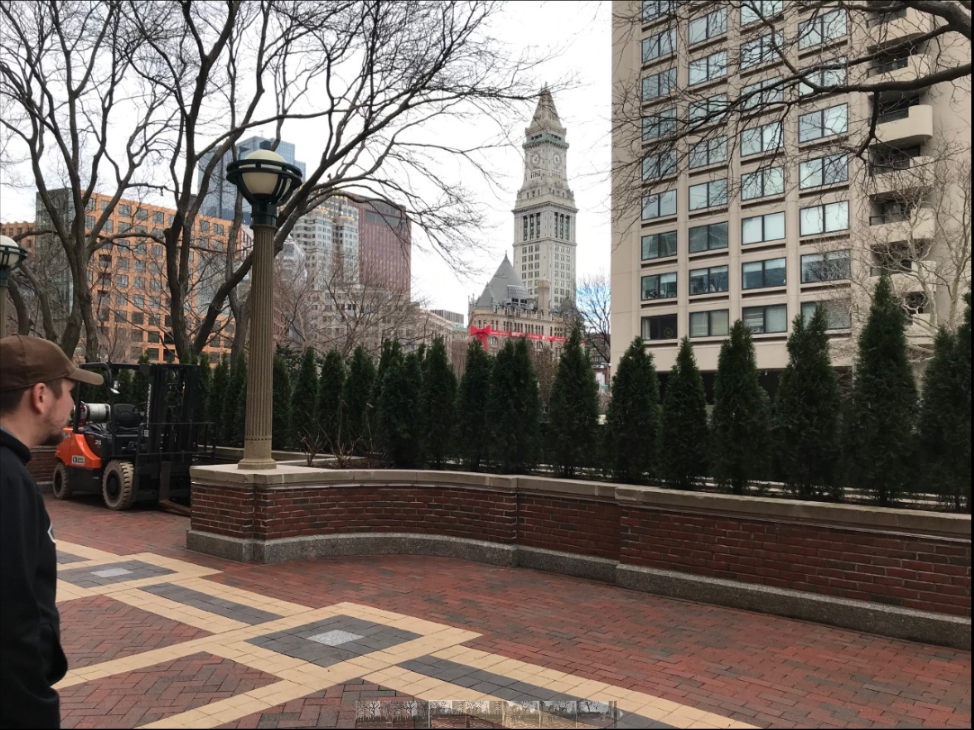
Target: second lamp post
x,y
266,181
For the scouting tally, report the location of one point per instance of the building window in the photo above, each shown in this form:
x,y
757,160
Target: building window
x,y
826,27
763,183
158,217
137,318
157,253
658,85
121,281
138,301
837,316
712,110
762,94
823,123
712,280
659,286
109,226
661,165
708,68
122,264
140,265
140,248
155,285
139,283
662,327
204,226
524,235
773,318
828,218
125,210
761,228
830,266
832,74
660,124
124,227
761,50
709,26
709,324
827,170
708,152
659,45
708,238
659,205
766,138
653,9
659,245
154,338
754,10
763,274
142,214
708,194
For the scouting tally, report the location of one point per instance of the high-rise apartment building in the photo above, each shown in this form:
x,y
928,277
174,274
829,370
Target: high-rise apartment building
x,y
742,192
384,245
127,277
544,214
221,194
329,238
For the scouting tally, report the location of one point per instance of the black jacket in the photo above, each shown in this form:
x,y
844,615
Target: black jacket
x,y
31,659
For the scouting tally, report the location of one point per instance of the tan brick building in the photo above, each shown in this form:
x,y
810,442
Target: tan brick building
x,y
761,212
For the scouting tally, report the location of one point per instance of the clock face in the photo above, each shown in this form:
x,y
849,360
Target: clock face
x,y
535,158
557,159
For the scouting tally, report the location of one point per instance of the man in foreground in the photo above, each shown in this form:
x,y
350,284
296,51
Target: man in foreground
x,y
36,380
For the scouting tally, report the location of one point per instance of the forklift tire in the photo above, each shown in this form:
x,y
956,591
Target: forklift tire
x,y
117,485
61,485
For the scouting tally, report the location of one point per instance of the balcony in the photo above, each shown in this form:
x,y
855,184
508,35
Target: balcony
x,y
898,27
904,127
905,68
903,175
892,227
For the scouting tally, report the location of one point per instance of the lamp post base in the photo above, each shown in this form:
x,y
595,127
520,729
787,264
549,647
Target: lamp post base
x,y
256,464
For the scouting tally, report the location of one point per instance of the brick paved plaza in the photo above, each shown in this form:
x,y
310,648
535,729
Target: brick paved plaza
x,y
158,636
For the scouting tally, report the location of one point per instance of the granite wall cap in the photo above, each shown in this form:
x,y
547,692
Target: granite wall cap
x,y
230,475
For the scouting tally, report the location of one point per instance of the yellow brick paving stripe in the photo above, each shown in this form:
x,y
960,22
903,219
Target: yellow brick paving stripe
x,y
91,555
189,615
233,708
629,701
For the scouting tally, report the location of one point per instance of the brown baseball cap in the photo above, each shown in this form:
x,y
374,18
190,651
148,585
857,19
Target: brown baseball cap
x,y
27,361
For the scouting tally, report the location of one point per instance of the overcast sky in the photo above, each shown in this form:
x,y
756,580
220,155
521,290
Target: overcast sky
x,y
576,36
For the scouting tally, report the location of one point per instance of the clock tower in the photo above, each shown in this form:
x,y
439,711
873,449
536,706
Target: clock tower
x,y
544,215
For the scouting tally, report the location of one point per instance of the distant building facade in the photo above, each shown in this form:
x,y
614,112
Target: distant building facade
x,y
385,245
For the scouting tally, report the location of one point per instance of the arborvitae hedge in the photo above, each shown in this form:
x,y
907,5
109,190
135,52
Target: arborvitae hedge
x,y
573,412
632,426
807,409
473,428
514,409
400,419
206,388
439,401
304,424
740,424
358,405
235,405
882,428
218,398
331,389
685,436
281,420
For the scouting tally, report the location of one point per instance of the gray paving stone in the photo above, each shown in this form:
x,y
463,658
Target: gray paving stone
x,y
220,606
111,573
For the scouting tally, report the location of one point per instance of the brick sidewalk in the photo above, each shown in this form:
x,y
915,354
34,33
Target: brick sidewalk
x,y
157,636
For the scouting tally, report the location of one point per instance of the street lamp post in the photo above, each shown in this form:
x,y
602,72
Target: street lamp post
x,y
11,256
266,181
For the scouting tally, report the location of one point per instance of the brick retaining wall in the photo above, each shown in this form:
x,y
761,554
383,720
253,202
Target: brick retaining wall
x,y
41,464
896,559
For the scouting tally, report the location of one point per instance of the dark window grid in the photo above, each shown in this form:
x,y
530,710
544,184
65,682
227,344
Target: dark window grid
x,y
828,170
762,50
712,110
659,245
659,85
823,123
771,226
712,280
659,166
820,267
708,238
708,68
763,183
659,286
708,152
763,274
708,195
762,94
710,26
769,319
837,318
825,28
659,45
661,327
660,124
715,323
764,138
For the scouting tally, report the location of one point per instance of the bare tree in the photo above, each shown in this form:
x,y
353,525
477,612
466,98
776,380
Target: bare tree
x,y
591,310
144,98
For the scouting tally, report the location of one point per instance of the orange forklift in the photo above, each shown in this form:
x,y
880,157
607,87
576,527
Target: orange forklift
x,y
135,452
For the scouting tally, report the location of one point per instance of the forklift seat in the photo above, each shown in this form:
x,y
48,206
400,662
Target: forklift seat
x,y
127,416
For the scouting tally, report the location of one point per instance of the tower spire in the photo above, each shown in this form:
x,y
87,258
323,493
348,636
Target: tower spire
x,y
545,116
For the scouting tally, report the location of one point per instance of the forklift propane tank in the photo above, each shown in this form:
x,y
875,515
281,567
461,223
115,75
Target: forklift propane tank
x,y
96,412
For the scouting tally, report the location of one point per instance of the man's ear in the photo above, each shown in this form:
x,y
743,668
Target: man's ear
x,y
39,396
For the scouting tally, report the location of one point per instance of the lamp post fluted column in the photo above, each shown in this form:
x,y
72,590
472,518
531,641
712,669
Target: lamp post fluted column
x,y
260,370
266,181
